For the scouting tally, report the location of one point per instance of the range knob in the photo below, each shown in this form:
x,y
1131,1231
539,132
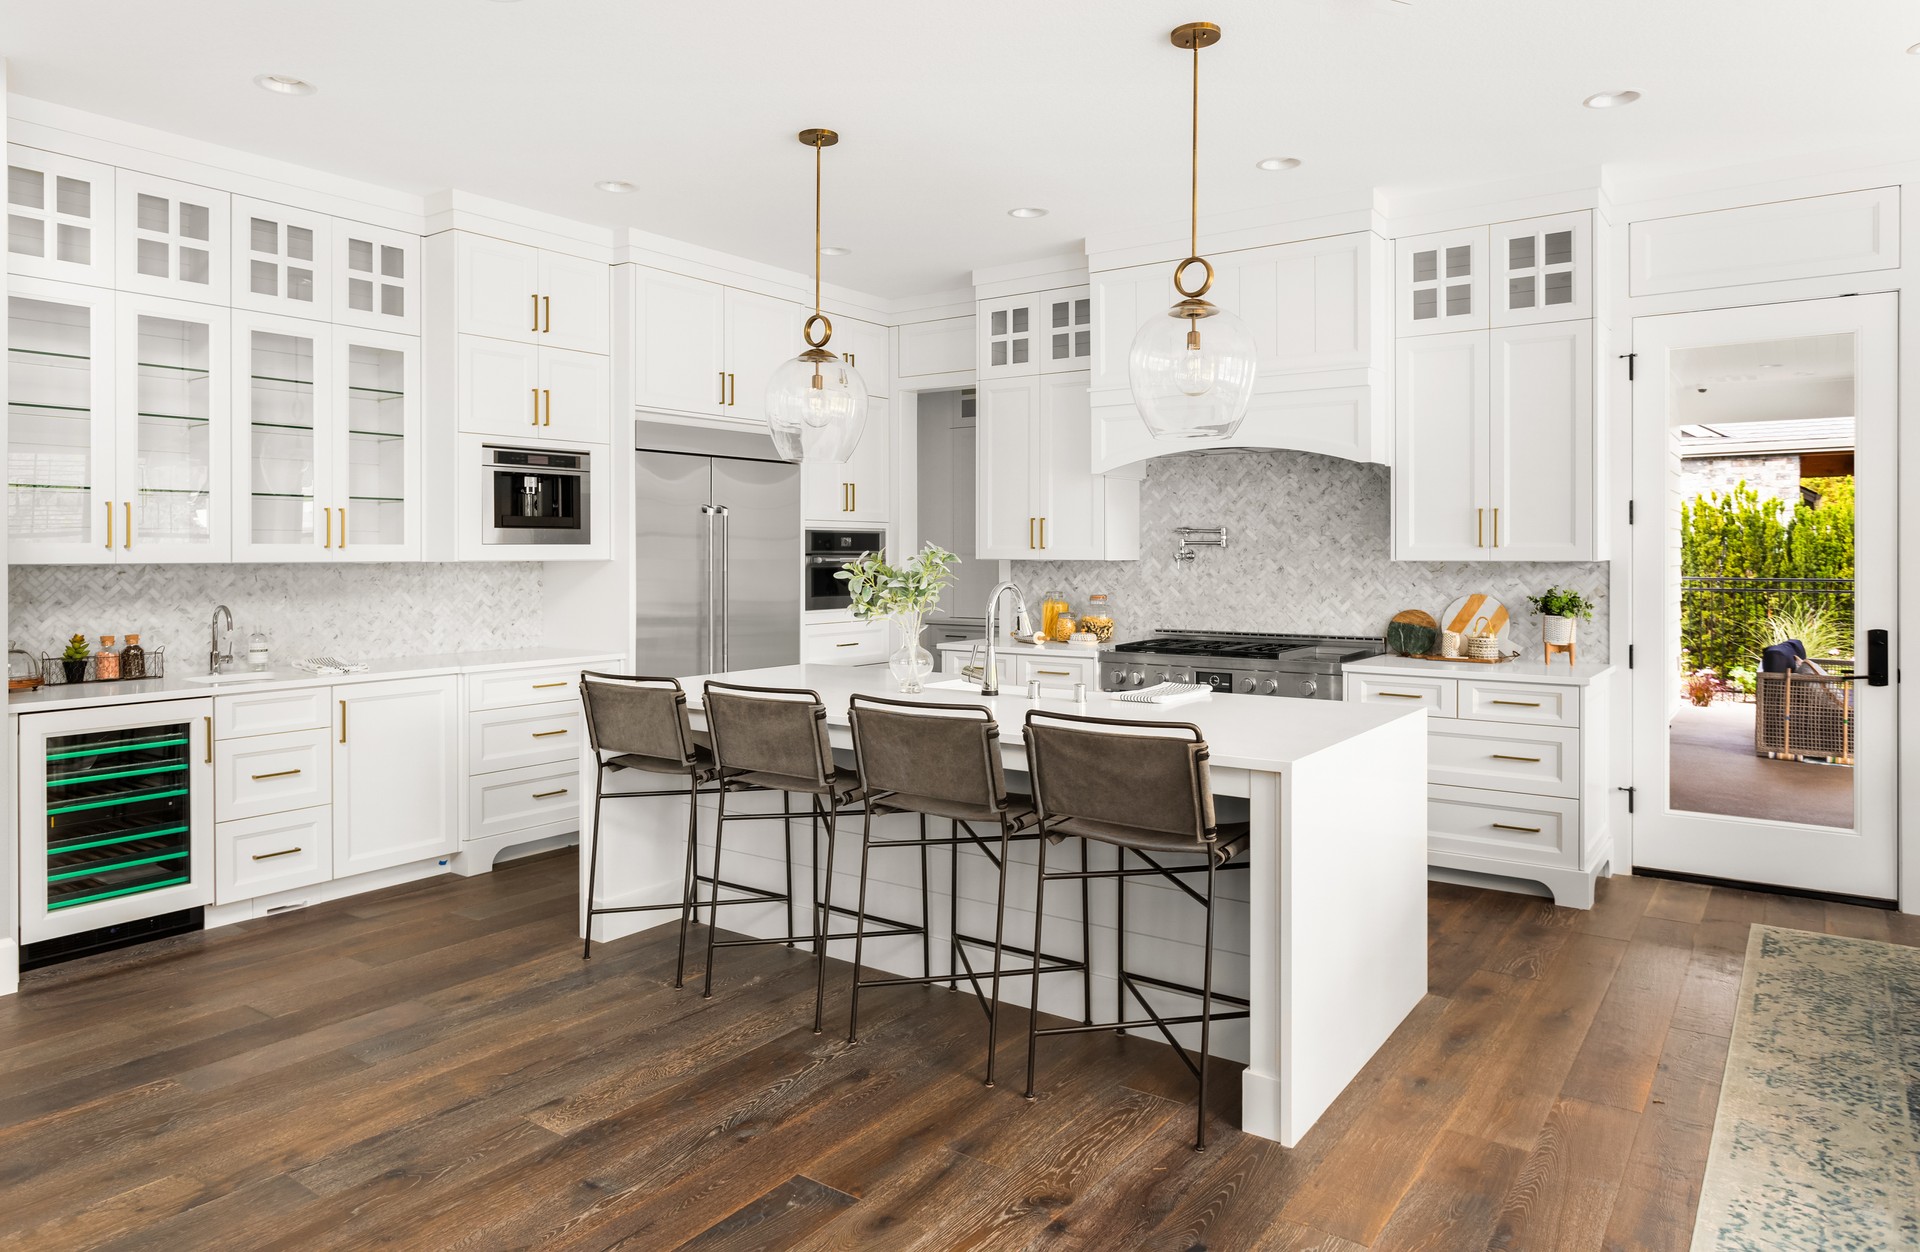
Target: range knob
x,y
1270,687
1246,685
1308,686
1136,678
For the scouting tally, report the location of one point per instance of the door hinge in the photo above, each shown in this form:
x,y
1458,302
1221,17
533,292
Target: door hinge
x,y
1629,656
1629,791
1628,358
1629,512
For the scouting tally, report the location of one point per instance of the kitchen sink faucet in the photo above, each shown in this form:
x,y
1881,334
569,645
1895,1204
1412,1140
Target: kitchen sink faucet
x,y
217,656
1022,626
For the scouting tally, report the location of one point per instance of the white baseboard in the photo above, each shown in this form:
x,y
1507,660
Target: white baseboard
x,y
9,967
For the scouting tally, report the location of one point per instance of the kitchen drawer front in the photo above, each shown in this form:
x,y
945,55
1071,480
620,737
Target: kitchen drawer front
x,y
1503,826
1059,672
511,738
1538,760
261,855
843,643
272,774
508,688
1534,704
1438,696
271,712
512,800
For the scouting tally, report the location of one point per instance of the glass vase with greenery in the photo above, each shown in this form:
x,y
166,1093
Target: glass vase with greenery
x,y
906,593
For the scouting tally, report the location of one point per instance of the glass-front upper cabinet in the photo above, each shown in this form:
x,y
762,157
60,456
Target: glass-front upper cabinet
x,y
174,440
60,427
59,217
1441,282
1010,336
1066,329
171,238
1544,272
376,281
281,257
282,473
376,446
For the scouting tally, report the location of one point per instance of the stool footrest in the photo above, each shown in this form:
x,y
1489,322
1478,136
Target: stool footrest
x,y
1143,1023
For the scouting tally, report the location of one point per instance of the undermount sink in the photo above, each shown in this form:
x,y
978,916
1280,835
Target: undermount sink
x,y
236,676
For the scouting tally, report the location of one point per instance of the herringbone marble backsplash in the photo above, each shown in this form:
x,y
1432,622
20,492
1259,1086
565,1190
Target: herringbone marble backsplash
x,y
1308,551
350,611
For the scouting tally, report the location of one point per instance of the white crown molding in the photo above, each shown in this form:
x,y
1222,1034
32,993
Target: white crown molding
x,y
463,210
1703,190
677,257
934,306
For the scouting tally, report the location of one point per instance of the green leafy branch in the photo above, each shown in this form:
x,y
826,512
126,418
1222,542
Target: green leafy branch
x,y
878,589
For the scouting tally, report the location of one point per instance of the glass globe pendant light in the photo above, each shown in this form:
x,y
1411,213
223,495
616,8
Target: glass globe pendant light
x,y
817,402
1191,368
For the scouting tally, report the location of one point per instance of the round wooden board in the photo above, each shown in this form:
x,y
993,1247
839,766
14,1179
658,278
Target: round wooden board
x,y
1465,611
1415,617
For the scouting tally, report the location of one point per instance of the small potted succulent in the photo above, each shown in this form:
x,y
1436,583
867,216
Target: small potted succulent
x,y
1558,609
74,660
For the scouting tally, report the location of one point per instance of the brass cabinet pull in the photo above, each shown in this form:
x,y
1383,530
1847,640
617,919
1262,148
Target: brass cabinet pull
x,y
126,540
1496,525
209,741
733,392
546,307
1480,529
1525,830
1518,704
109,525
1531,760
536,312
855,487
547,395
268,856
329,513
343,528
1043,534
854,644
548,795
544,686
536,404
1030,534
548,734
1400,695
279,773
343,721
723,387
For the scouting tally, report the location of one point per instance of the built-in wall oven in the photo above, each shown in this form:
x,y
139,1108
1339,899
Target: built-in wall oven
x,y
534,495
827,551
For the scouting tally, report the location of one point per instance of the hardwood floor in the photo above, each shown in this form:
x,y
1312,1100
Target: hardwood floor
x,y
434,1066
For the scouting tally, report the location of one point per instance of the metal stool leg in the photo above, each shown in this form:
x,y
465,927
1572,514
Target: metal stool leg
x,y
1039,921
820,933
1086,937
713,897
953,909
999,933
1120,942
786,828
926,909
819,924
593,864
859,930
1206,1014
690,877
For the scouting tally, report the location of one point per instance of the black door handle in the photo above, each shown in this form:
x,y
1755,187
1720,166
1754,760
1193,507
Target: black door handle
x,y
1876,658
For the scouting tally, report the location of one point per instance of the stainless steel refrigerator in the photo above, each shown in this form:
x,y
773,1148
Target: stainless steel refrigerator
x,y
717,517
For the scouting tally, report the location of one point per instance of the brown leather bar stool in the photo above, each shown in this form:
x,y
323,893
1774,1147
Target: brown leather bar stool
x,y
775,738
643,723
942,760
1141,787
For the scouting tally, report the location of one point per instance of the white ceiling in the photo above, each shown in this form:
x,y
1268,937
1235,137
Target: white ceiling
x,y
1796,381
954,111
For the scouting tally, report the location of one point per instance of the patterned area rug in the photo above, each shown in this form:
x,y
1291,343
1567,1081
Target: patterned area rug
x,y
1817,1141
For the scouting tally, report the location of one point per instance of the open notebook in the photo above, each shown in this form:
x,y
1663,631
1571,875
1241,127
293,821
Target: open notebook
x,y
1166,693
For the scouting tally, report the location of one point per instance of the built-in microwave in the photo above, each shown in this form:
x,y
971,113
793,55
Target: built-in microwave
x,y
534,495
827,551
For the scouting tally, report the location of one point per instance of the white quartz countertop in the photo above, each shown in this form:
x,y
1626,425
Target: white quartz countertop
x,y
1520,671
1245,732
1024,649
176,687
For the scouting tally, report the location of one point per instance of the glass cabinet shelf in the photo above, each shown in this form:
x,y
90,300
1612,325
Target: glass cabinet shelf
x,y
58,356
50,408
174,417
174,369
48,487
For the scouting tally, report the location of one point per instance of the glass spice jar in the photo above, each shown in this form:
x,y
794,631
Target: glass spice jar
x,y
133,659
106,662
1097,620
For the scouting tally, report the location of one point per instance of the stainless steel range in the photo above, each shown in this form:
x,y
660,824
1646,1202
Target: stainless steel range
x,y
1303,666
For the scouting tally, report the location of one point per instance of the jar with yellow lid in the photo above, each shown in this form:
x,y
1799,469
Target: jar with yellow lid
x,y
1098,618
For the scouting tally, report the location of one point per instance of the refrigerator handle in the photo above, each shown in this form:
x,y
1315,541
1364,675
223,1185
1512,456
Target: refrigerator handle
x,y
710,618
723,635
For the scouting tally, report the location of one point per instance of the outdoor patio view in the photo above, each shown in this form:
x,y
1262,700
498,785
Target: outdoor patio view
x,y
1764,728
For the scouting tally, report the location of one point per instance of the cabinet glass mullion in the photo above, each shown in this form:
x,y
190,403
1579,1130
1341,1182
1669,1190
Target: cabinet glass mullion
x,y
52,409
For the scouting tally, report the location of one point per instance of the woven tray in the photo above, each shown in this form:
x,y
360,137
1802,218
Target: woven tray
x,y
1469,660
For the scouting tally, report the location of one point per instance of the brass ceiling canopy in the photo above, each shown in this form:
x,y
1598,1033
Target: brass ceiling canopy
x,y
1195,35
821,137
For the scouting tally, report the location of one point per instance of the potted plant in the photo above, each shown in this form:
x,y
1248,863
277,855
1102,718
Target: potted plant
x,y
907,593
1558,610
74,659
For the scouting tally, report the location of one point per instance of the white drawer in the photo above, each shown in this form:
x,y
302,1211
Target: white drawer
x,y
271,712
1538,760
1500,825
515,800
843,643
272,774
1438,696
1537,704
536,735
506,688
1059,671
262,855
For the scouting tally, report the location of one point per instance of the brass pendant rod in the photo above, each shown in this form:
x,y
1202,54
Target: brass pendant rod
x,y
1193,216
816,225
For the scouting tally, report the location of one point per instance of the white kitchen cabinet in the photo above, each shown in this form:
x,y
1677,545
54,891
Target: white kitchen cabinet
x,y
1542,270
376,444
396,773
763,333
59,217
1441,462
1036,489
529,295
1123,299
861,489
1008,431
575,303
258,856
680,343
281,257
1440,282
1850,232
259,774
1056,671
1066,329
862,345
848,642
498,384
60,423
1541,443
170,238
1310,306
575,399
1009,330
541,734
375,278
173,469
944,345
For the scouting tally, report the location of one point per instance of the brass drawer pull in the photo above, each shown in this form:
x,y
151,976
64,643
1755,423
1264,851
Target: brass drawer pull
x,y
279,773
1057,673
1525,830
854,644
536,404
546,314
548,795
544,686
1531,760
268,856
1401,695
547,734
209,741
1518,704
343,721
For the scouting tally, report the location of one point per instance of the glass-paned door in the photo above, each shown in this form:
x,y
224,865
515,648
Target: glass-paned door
x,y
1765,582
59,217
1067,329
377,445
283,399
375,278
60,427
1441,282
1009,337
175,430
1543,270
171,238
282,256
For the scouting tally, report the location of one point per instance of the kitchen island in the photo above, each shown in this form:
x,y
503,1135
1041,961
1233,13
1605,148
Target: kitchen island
x,y
1328,939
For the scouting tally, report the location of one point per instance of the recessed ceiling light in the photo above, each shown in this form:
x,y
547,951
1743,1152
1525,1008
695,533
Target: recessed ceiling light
x,y
1278,163
836,251
1026,212
1914,51
285,84
618,186
1610,99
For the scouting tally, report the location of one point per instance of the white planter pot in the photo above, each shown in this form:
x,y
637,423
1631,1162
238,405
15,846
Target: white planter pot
x,y
1557,631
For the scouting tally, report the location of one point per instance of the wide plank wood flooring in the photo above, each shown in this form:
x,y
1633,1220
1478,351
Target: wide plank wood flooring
x,y
433,1066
